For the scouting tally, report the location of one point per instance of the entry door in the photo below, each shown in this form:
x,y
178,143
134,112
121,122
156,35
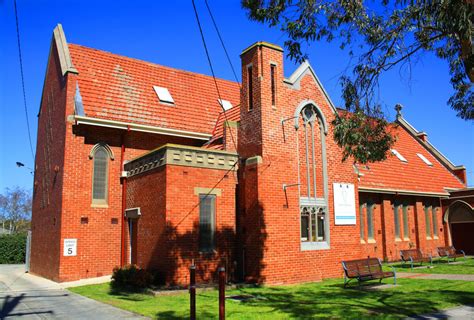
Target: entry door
x,y
132,229
461,234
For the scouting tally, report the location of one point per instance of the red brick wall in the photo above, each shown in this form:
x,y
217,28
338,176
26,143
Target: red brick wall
x,y
168,229
100,237
48,183
386,246
278,229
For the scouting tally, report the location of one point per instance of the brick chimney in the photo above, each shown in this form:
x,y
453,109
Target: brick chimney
x,y
423,136
460,172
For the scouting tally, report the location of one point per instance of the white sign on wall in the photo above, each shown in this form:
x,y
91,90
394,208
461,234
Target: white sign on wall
x,y
70,247
344,204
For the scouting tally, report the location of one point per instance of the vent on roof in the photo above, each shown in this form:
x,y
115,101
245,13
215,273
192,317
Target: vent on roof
x,y
398,155
163,94
422,157
226,105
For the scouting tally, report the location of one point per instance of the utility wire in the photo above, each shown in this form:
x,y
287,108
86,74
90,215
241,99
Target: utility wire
x,y
222,42
23,81
212,69
225,115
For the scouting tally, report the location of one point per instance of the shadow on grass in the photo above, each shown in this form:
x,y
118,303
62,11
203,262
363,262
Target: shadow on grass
x,y
172,315
129,293
334,301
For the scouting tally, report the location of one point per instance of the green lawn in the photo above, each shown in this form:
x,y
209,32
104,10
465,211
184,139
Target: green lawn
x,y
439,266
327,299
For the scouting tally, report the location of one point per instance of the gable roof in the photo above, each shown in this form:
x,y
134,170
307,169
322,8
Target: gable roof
x,y
119,88
413,176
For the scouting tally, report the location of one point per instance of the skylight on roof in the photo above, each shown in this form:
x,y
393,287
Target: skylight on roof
x,y
226,105
398,155
163,94
422,157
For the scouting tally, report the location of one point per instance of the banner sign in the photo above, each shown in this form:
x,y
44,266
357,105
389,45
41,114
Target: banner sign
x,y
344,204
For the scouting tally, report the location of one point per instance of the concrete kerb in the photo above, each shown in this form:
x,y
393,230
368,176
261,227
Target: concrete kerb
x,y
85,282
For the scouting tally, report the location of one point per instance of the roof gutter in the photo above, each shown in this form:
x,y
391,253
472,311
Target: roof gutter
x,y
404,192
139,127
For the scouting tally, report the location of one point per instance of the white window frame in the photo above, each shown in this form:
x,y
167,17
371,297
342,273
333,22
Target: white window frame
x,y
398,155
163,95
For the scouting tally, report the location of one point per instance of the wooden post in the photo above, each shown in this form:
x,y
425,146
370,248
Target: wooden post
x,y
192,292
221,293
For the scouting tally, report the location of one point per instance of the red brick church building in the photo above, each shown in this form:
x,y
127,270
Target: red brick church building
x,y
145,164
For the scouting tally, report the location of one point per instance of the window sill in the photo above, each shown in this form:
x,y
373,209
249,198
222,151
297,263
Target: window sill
x,y
436,237
362,241
428,238
398,240
99,205
307,246
406,239
371,241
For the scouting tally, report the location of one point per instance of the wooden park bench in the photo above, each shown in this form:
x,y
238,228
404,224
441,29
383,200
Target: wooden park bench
x,y
415,256
450,253
365,270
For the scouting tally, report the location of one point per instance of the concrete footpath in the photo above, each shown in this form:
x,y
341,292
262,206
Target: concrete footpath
x,y
462,312
26,296
434,276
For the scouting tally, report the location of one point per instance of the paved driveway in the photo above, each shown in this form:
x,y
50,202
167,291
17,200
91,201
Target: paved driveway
x,y
30,297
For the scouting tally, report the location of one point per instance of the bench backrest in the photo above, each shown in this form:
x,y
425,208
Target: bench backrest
x,y
444,251
411,253
354,268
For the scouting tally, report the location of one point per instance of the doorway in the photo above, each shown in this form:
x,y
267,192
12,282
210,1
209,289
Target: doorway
x,y
461,224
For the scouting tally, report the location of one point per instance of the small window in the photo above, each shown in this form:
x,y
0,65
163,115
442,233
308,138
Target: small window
x,y
422,157
273,84
207,207
370,221
362,224
427,221
250,87
396,214
434,211
100,176
398,155
406,228
226,105
163,94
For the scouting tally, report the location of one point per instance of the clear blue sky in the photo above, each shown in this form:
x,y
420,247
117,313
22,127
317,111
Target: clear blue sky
x,y
165,32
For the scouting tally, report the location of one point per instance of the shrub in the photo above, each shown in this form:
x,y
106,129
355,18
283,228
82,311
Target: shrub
x,y
131,276
12,248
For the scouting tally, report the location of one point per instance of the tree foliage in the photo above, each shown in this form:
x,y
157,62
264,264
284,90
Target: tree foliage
x,y
15,208
380,35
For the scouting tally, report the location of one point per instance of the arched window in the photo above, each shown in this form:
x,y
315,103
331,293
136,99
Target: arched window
x,y
312,176
100,155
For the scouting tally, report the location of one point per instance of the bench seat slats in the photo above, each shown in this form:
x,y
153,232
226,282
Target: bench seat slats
x,y
365,269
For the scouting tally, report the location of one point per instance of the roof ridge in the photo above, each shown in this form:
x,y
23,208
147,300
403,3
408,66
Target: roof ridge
x,y
153,64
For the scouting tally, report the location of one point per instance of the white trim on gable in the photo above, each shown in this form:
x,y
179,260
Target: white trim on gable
x,y
294,81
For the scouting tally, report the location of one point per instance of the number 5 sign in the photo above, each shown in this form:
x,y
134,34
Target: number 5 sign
x,y
70,247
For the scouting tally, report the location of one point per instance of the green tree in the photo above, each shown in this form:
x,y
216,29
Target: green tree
x,y
15,209
380,35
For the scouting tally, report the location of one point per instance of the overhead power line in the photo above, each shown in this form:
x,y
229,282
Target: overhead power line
x,y
222,42
23,81
212,69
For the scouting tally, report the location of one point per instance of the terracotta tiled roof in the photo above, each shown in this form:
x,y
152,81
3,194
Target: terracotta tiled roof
x,y
119,88
230,115
413,175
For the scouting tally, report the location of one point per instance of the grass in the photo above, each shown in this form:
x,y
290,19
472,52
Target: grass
x,y
440,266
326,299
